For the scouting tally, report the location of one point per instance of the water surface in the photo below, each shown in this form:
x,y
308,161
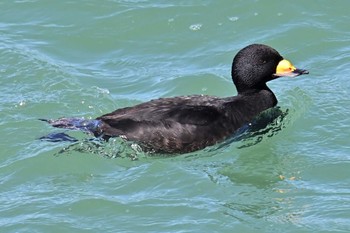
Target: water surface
x,y
84,59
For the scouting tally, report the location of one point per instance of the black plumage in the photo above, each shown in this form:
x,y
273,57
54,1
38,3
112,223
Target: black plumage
x,y
188,123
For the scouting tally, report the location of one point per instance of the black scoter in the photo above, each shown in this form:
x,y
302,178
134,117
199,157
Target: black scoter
x,y
189,123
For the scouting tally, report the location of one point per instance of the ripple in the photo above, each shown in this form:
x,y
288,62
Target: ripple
x,y
195,27
233,18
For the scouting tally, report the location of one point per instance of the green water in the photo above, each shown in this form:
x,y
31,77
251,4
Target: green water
x,y
87,58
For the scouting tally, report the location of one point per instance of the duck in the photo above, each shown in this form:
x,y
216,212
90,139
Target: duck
x,y
184,124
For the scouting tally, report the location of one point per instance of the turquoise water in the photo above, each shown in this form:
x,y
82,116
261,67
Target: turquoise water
x,y
87,58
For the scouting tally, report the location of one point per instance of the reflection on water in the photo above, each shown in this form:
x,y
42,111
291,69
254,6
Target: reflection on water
x,y
114,148
264,184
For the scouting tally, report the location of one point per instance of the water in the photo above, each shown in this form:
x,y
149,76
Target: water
x,y
84,59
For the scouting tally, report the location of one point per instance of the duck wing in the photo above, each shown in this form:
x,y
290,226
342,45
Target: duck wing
x,y
198,110
169,115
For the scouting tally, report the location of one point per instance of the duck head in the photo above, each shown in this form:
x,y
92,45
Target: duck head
x,y
257,64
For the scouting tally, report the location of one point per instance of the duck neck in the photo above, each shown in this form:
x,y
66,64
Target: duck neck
x,y
261,99
261,92
252,102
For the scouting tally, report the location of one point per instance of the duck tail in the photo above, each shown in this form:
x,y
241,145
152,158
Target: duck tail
x,y
89,126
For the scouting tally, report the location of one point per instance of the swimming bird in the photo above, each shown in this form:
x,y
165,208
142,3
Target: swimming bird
x,y
189,123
